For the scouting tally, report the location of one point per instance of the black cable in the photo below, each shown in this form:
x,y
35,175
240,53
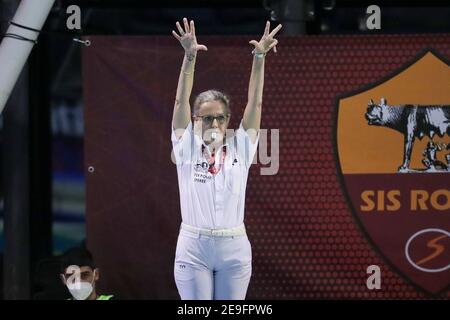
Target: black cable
x,y
78,32
24,27
18,37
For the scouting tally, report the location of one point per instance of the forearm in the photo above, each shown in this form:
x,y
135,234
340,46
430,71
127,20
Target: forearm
x,y
181,111
252,113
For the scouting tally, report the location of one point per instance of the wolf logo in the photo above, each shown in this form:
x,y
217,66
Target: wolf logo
x,y
413,121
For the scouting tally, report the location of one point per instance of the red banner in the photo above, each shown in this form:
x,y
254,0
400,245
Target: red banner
x,y
309,237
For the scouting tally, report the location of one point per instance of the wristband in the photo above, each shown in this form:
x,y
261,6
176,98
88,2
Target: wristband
x,y
258,55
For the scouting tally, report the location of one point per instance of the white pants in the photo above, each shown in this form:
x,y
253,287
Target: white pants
x,y
212,267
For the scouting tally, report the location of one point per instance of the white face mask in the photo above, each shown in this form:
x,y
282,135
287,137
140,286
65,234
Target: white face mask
x,y
81,290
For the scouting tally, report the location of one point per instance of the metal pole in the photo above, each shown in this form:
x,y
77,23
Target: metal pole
x,y
16,185
13,52
21,131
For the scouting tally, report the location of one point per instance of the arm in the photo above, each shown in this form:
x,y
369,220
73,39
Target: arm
x,y
252,113
182,109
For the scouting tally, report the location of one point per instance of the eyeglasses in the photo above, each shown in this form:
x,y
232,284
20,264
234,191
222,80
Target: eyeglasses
x,y
210,119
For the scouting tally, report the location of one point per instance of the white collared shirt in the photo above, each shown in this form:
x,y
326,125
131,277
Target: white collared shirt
x,y
207,200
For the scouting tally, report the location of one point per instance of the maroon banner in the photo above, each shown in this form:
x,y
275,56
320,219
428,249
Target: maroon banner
x,y
307,241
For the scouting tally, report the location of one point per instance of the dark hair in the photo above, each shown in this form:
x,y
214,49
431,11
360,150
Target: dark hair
x,y
77,256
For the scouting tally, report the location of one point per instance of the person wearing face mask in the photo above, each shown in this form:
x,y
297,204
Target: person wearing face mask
x,y
79,275
213,256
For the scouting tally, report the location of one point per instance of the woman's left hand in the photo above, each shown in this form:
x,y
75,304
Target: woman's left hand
x,y
267,41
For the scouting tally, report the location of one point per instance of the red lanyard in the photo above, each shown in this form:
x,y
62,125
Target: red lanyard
x,y
212,160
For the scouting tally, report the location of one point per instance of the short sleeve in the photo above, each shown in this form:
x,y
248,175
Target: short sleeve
x,y
181,148
246,149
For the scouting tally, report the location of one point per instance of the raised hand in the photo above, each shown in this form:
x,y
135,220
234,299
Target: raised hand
x,y
187,37
267,41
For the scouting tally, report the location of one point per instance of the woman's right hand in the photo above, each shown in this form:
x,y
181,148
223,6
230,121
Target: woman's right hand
x,y
187,37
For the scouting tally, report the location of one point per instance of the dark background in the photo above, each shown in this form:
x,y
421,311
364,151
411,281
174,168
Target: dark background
x,y
50,91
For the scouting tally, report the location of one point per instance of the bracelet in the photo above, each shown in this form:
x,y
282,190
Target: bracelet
x,y
258,55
